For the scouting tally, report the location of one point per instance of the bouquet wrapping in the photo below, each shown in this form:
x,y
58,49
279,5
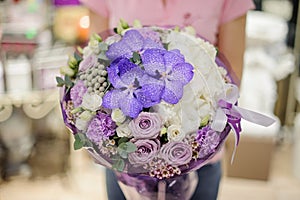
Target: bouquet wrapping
x,y
152,103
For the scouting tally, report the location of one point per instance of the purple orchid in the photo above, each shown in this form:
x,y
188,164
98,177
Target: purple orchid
x,y
132,41
133,88
170,68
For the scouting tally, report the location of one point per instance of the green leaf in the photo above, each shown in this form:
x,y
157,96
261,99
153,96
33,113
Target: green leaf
x,y
123,146
102,56
130,147
122,153
119,165
103,46
78,143
166,46
136,58
60,81
77,55
122,140
68,81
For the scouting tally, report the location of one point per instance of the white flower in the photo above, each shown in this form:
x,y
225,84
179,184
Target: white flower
x,y
167,112
123,130
118,116
81,124
94,46
83,120
112,39
175,133
86,115
190,30
91,101
87,51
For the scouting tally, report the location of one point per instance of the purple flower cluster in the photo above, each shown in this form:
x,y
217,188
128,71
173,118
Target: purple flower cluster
x,y
208,140
161,76
77,92
100,128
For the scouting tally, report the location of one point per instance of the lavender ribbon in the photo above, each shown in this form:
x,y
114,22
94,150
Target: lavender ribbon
x,y
229,113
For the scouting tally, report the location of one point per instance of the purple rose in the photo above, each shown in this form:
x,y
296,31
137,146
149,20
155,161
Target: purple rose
x,y
176,153
88,62
77,93
146,125
100,127
208,140
146,151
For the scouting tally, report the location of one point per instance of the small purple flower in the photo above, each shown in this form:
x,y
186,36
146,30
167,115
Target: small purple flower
x,y
77,92
176,153
149,33
170,68
146,151
133,88
146,125
132,41
208,140
88,62
100,127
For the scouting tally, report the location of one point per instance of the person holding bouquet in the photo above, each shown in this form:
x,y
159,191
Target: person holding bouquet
x,y
221,22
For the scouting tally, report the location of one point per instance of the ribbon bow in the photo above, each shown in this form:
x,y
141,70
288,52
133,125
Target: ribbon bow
x,y
229,112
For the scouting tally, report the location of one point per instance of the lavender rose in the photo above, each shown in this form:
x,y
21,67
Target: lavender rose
x,y
77,93
100,127
176,153
146,151
146,125
208,140
88,62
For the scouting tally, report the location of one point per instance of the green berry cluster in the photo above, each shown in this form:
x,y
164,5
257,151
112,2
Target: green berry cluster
x,y
95,79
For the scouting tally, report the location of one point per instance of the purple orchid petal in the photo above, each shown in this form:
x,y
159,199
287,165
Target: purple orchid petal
x,y
151,44
122,73
172,58
132,77
112,98
130,106
182,72
151,91
153,61
132,41
117,69
173,92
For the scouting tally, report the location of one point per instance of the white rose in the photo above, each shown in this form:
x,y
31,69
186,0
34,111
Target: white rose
x,y
175,133
86,115
167,113
87,51
81,124
123,130
91,101
118,116
94,46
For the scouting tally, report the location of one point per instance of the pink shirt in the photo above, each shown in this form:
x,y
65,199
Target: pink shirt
x,y
204,15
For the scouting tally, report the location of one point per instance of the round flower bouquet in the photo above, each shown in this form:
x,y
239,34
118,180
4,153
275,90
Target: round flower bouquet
x,y
153,104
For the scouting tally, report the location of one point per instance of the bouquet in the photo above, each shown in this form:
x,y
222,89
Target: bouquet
x,y
152,103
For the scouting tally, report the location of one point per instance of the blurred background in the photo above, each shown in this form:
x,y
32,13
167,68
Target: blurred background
x,y
37,161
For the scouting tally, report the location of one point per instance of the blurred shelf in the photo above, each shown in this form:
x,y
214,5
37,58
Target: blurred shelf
x,y
35,104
